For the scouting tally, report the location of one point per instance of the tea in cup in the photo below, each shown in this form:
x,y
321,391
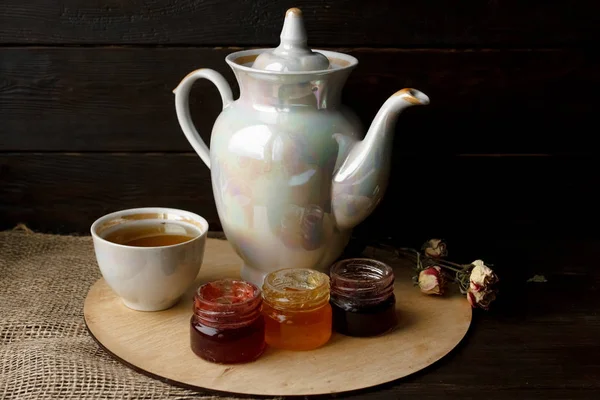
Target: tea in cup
x,y
150,256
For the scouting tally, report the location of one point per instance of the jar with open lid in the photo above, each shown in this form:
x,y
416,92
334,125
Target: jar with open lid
x,y
296,309
227,326
362,297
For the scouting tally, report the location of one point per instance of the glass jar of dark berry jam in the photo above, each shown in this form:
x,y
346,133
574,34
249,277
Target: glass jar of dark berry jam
x,y
362,297
227,326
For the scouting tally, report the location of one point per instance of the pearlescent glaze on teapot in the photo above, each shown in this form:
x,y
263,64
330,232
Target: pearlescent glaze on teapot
x,y
291,172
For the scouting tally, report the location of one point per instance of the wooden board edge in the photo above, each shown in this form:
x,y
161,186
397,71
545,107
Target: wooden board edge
x,y
352,392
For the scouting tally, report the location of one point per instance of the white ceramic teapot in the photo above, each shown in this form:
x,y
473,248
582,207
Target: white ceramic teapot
x,y
291,172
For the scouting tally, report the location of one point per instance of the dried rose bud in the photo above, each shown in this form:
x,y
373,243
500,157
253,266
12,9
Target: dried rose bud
x,y
481,298
431,281
435,248
482,276
481,290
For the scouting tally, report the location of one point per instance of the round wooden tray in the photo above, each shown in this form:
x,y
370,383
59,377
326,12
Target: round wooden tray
x,y
157,343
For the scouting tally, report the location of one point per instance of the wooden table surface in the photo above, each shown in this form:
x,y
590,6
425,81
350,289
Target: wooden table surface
x,y
538,341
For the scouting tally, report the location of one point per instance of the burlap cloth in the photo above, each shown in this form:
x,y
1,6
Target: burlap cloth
x,y
45,349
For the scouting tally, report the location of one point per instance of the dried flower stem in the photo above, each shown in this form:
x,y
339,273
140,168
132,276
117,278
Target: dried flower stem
x,y
462,271
449,267
475,279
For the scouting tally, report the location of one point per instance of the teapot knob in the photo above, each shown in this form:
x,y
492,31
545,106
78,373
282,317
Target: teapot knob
x,y
293,35
293,53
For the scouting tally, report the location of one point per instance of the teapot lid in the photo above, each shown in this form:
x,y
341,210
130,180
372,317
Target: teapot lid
x,y
292,54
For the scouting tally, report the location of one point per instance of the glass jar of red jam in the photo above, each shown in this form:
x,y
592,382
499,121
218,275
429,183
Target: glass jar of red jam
x,y
296,309
227,326
362,297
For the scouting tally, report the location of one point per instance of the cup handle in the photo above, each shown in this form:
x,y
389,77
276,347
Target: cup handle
x,y
182,106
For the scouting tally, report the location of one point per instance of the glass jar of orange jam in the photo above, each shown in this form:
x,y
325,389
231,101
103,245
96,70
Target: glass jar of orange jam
x,y
227,326
296,309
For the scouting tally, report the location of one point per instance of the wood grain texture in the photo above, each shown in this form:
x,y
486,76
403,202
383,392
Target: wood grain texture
x,y
428,196
503,23
158,342
120,99
538,341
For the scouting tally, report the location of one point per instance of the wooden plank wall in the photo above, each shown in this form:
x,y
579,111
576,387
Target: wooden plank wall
x,y
88,126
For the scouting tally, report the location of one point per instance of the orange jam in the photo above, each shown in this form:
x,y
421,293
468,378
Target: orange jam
x,y
296,309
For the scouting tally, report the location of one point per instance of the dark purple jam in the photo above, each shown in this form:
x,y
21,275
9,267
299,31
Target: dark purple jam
x,y
362,297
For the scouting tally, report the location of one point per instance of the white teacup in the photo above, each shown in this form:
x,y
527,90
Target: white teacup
x,y
154,277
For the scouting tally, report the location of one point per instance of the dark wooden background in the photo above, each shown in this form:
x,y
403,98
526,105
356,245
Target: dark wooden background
x,y
507,146
503,162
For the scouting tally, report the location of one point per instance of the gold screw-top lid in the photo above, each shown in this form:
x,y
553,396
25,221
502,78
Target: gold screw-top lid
x,y
292,54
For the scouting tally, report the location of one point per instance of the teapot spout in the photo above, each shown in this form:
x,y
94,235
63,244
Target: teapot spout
x,y
361,181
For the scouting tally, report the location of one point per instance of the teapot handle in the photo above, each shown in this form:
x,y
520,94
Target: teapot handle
x,y
182,106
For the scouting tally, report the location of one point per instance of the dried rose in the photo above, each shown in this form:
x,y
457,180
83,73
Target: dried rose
x,y
482,276
435,248
481,290
431,280
481,299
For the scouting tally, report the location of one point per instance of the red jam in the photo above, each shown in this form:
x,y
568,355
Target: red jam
x,y
227,326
